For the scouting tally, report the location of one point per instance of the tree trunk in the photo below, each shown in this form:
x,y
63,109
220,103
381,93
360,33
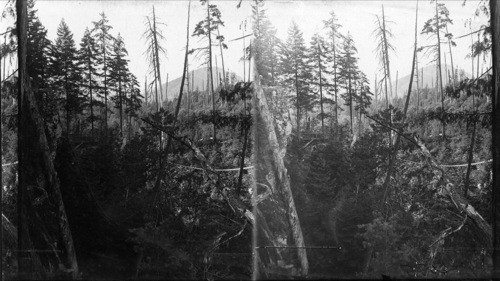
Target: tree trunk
x,y
211,72
188,96
418,83
36,171
350,101
451,61
386,51
387,67
157,57
321,92
440,75
179,100
297,104
407,103
335,83
91,101
67,102
271,168
121,105
105,91
222,58
495,32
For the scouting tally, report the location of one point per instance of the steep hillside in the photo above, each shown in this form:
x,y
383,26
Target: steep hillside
x,y
429,78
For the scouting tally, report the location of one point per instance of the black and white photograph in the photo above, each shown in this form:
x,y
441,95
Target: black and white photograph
x,y
250,139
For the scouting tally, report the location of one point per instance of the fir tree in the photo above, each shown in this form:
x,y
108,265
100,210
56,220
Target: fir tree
x,y
265,44
318,57
132,99
363,97
104,42
118,75
37,60
295,71
348,72
87,60
335,36
65,72
205,28
434,27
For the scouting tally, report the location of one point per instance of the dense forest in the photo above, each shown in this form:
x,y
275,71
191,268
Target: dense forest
x,y
383,185
302,168
112,181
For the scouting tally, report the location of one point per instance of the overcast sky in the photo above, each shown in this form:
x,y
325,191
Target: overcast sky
x,y
128,19
357,17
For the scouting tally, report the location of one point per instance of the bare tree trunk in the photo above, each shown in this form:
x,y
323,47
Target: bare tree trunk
x,y
386,77
179,99
157,58
188,96
267,142
418,83
211,72
156,86
36,169
222,58
386,52
451,59
448,81
217,72
495,32
387,63
439,72
407,102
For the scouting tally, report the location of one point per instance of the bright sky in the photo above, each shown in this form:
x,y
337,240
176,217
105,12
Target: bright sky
x,y
358,17
128,19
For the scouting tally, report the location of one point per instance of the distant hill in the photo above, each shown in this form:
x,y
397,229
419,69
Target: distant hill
x,y
429,79
199,81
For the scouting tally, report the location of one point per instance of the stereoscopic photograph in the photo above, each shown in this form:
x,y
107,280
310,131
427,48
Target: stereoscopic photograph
x,y
250,139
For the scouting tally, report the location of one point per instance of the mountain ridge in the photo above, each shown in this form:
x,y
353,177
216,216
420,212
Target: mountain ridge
x,y
198,81
429,79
